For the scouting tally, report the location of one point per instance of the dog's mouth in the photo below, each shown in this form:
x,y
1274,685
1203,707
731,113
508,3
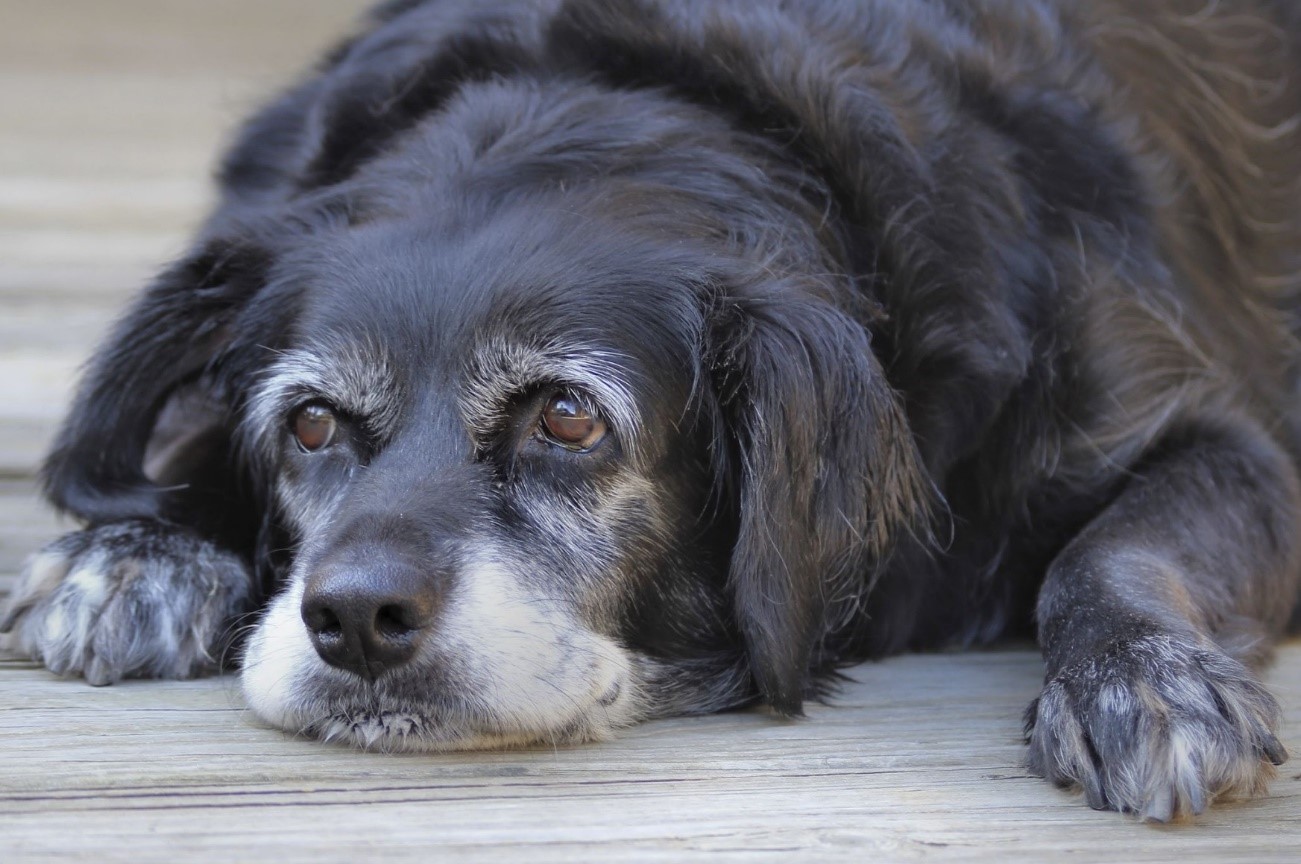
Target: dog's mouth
x,y
385,725
401,730
500,690
372,721
415,729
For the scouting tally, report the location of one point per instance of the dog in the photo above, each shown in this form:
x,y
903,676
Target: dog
x,y
550,366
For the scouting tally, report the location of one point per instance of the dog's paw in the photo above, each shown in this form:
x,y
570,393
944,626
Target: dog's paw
x,y
1155,726
136,598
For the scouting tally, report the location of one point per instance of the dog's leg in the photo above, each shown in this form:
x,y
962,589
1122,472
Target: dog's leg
x,y
138,597
1147,621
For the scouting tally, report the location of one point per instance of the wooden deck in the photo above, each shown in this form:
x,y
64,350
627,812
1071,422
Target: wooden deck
x,y
110,113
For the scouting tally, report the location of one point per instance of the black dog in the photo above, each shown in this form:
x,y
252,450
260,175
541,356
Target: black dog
x,y
554,365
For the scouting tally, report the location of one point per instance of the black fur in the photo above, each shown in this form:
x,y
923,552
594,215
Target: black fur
x,y
914,324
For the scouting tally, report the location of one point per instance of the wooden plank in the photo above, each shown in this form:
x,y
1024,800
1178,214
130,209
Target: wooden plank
x,y
918,759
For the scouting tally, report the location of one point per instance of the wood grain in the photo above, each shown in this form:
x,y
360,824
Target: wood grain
x,y
919,758
110,114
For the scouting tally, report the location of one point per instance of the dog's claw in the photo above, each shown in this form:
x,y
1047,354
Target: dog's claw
x,y
1273,749
1161,808
99,674
1093,792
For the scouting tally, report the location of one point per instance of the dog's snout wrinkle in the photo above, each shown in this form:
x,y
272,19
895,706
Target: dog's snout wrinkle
x,y
368,618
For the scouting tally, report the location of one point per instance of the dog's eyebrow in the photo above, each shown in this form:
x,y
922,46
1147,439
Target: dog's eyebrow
x,y
357,378
499,370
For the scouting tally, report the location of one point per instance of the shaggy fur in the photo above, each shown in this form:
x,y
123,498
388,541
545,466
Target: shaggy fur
x,y
907,324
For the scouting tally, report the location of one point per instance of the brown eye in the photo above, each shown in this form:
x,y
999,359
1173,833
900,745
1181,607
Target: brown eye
x,y
569,423
314,426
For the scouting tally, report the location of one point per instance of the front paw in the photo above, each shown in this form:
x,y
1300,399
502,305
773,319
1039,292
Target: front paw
x,y
137,598
1156,726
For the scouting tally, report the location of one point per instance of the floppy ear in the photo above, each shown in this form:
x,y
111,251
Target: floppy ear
x,y
169,340
826,473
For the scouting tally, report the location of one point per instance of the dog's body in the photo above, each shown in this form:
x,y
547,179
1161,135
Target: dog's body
x,y
572,363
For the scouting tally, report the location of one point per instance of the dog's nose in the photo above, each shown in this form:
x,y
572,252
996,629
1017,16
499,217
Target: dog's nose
x,y
369,619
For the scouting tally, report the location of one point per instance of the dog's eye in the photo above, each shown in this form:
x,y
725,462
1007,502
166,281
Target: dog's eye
x,y
569,423
314,426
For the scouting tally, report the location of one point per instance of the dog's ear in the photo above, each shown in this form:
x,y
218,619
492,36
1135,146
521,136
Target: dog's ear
x,y
173,338
824,472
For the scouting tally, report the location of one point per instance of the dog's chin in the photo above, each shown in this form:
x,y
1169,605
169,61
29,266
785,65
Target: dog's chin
x,y
582,689
423,729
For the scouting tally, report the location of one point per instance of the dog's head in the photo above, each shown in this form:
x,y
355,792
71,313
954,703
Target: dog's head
x,y
558,453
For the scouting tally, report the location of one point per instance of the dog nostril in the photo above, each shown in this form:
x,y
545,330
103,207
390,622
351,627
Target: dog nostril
x,y
395,621
322,620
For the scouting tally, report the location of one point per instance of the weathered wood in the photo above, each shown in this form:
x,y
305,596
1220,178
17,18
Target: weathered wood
x,y
109,117
918,759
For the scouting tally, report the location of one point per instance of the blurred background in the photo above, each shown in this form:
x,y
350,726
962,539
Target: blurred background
x,y
112,114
